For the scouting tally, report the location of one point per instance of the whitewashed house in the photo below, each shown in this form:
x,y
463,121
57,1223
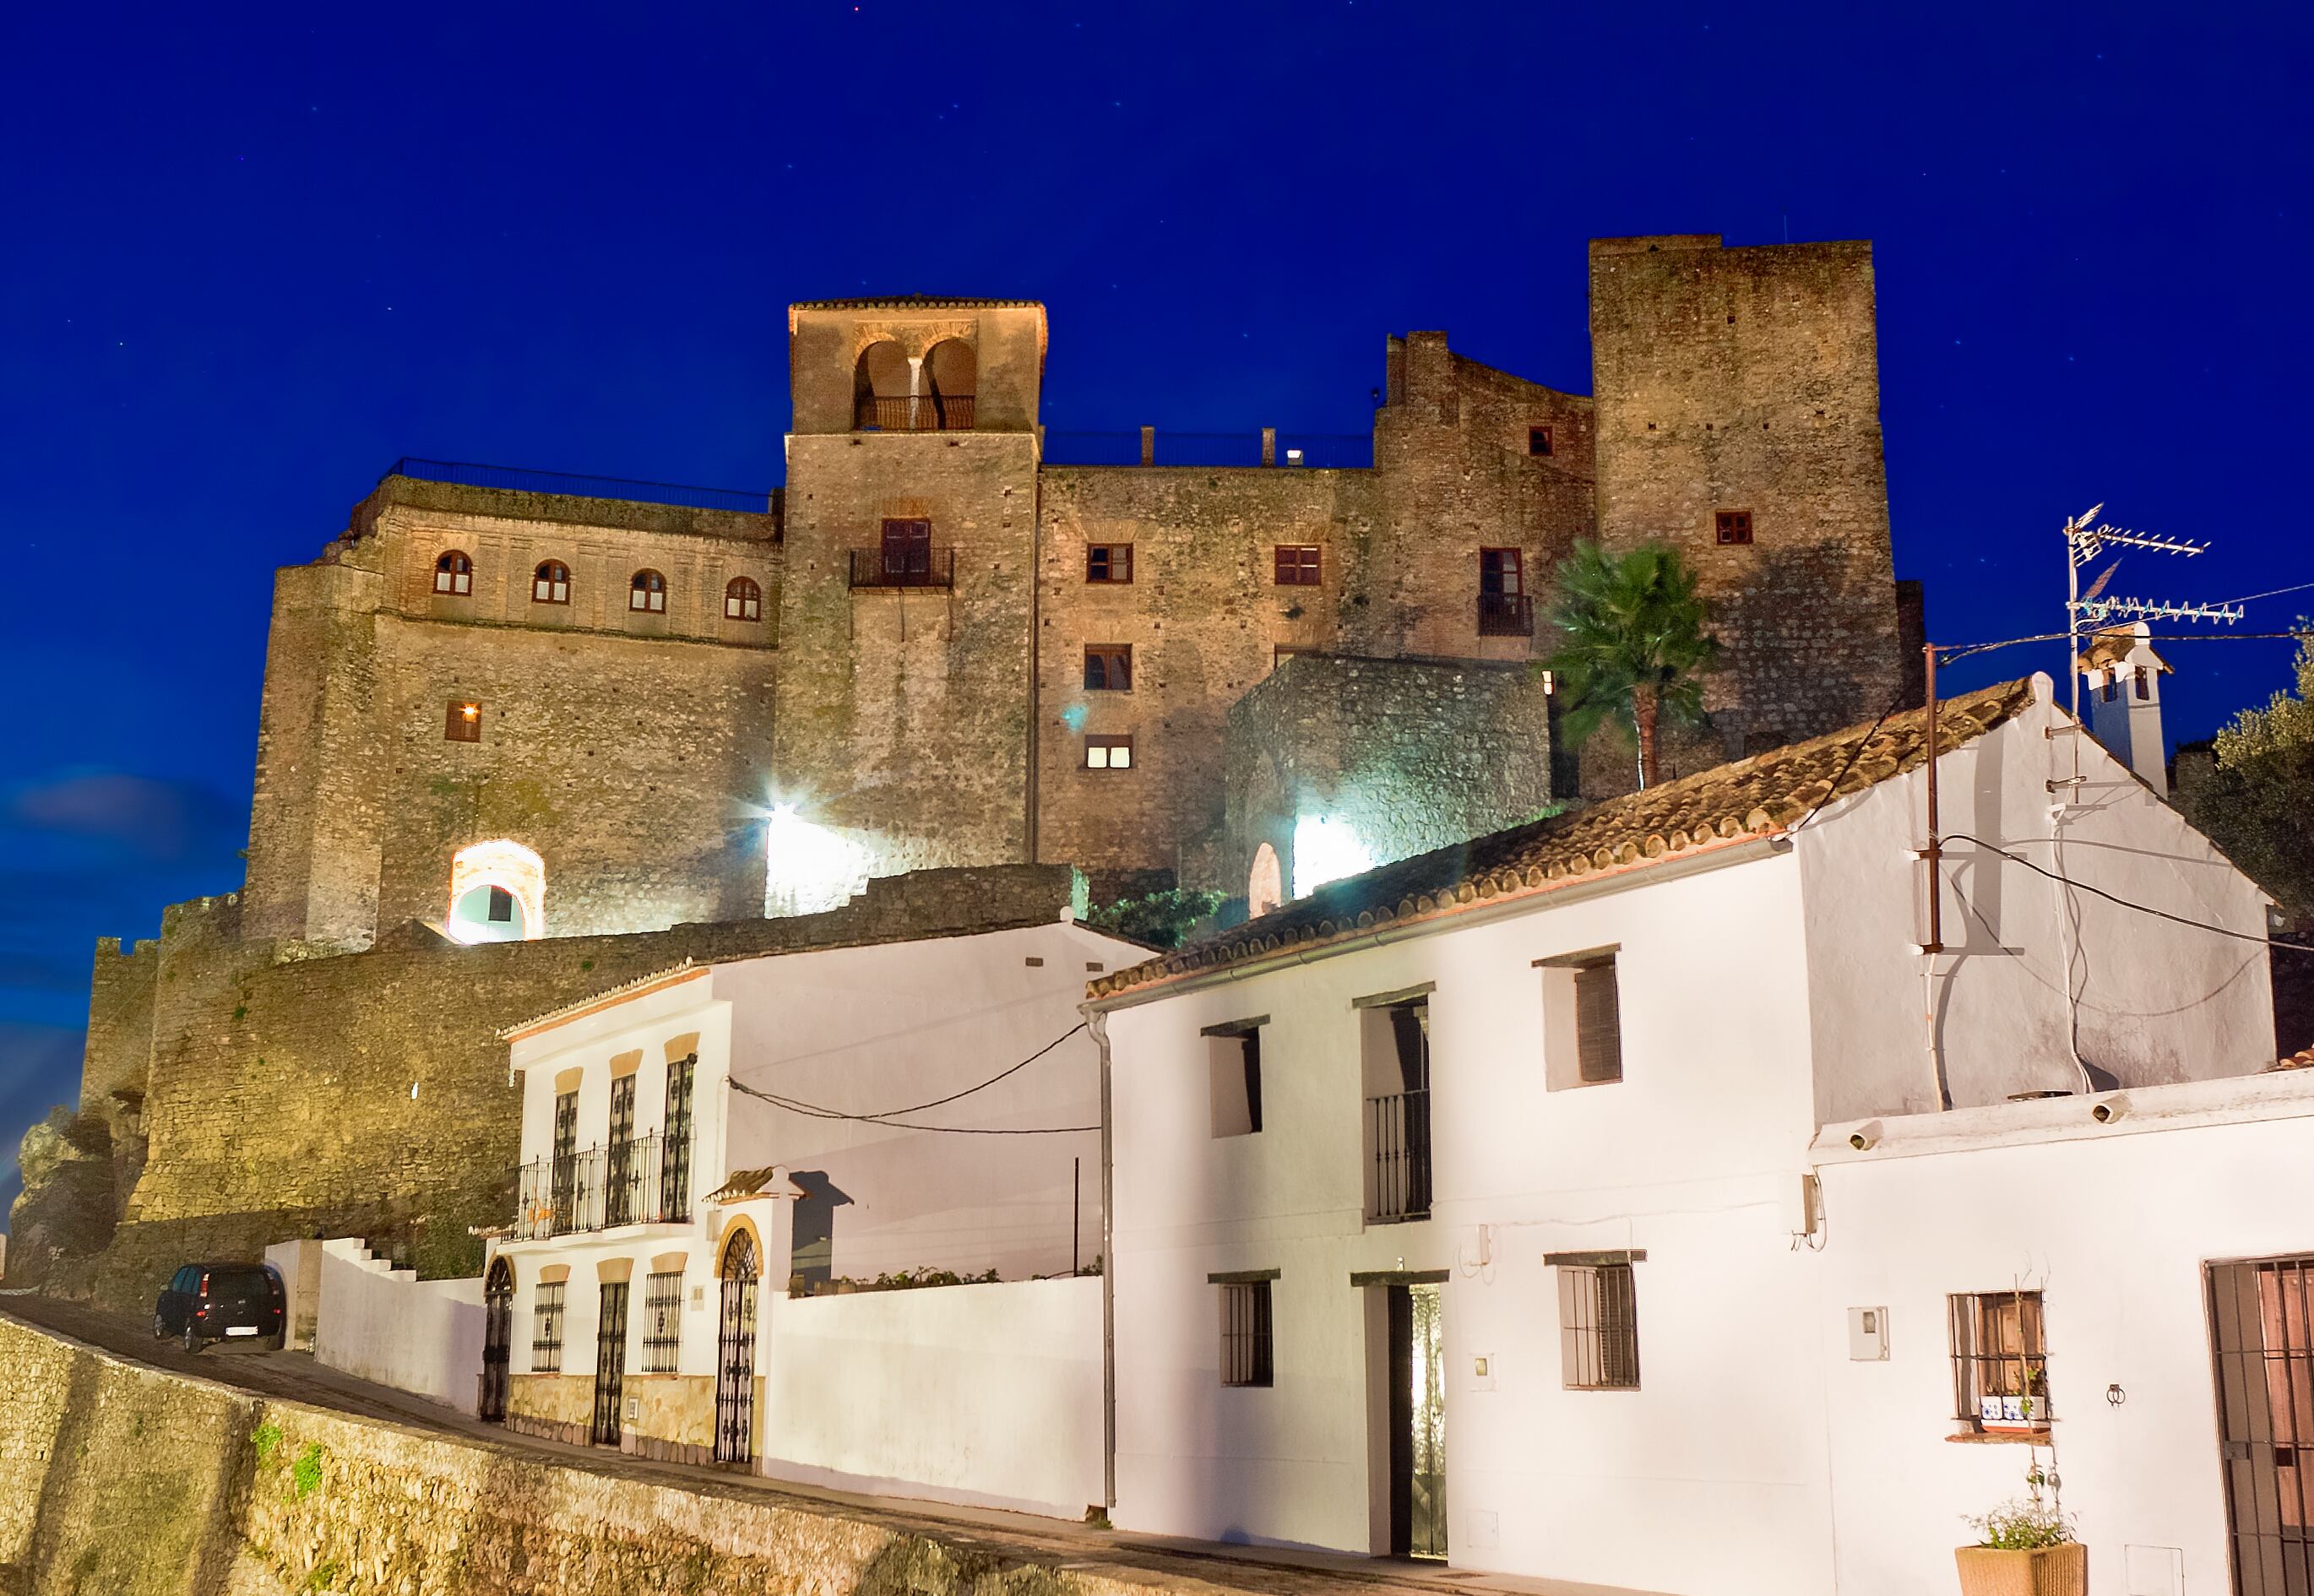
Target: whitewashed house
x,y
1469,1207
712,1152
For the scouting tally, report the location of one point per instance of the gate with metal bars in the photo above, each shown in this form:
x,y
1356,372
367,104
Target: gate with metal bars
x,y
2259,1318
734,1355
497,1342
610,1362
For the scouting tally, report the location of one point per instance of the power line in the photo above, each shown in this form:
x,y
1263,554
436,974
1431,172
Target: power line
x,y
888,1116
2271,593
2124,902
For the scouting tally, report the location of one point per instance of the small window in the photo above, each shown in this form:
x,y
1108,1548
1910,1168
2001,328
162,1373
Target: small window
x,y
743,600
2144,683
1734,526
1582,1020
454,573
1234,1055
1598,1328
662,1322
2001,1362
1108,754
1297,565
1109,562
1109,668
550,584
464,722
501,906
1502,573
1538,440
648,592
2110,688
1245,1356
547,1329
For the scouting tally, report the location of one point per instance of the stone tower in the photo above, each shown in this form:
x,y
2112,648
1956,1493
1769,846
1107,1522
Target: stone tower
x,y
908,612
1737,397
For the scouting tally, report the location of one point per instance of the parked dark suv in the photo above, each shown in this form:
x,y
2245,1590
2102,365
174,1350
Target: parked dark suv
x,y
205,1303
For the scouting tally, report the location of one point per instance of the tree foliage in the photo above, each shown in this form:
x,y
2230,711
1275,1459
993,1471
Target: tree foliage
x,y
2258,804
1161,919
1635,643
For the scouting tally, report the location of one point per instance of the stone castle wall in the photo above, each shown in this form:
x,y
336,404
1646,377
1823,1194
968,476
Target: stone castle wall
x,y
120,1021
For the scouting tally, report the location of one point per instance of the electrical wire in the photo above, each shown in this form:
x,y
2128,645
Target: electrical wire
x,y
2269,592
2124,902
888,1116
1854,754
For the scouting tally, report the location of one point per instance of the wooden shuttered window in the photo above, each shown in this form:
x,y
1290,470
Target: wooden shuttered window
x,y
462,723
1598,1328
1109,668
1297,565
1598,1023
1733,526
1109,562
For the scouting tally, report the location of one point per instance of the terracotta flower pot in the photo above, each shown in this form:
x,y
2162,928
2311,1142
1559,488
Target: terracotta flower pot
x,y
2061,1570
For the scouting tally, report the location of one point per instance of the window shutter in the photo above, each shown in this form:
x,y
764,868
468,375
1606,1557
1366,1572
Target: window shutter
x,y
1598,1024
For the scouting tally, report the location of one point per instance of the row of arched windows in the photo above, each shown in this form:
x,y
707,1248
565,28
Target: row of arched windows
x,y
550,584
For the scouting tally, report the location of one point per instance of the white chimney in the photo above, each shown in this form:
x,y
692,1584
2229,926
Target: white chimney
x,y
2121,676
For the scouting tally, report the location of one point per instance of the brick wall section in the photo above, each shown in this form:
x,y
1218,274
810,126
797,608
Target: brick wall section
x,y
279,1099
1749,379
1411,755
627,749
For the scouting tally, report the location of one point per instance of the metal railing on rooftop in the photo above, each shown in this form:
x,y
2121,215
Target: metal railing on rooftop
x,y
914,412
522,479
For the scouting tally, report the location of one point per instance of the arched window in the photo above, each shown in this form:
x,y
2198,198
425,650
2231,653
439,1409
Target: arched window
x,y
648,592
881,389
454,573
949,371
1265,888
550,584
743,600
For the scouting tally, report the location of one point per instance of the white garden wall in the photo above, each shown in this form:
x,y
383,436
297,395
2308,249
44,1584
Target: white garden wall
x,y
987,1395
384,1324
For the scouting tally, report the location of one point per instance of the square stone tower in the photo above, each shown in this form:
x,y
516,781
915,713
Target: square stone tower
x,y
908,612
1737,396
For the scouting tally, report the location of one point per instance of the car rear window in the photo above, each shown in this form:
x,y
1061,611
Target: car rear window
x,y
240,1283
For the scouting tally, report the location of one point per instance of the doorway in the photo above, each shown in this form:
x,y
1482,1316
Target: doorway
x,y
2260,1312
735,1354
1414,1416
610,1361
497,1342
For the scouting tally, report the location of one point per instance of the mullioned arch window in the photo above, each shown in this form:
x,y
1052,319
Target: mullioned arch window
x,y
454,573
550,584
743,600
647,594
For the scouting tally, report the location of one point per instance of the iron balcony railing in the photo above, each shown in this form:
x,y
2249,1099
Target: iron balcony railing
x,y
919,566
915,412
1505,615
627,1183
1398,1143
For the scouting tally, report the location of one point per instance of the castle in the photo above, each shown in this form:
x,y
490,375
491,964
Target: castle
x,y
595,733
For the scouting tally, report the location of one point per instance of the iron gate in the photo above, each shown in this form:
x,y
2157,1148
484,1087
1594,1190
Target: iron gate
x,y
497,1341
2258,1333
734,1355
610,1361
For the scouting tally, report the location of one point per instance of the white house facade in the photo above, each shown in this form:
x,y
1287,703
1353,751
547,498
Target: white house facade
x,y
1470,1207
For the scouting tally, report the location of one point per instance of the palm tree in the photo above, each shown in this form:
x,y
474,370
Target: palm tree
x,y
1633,645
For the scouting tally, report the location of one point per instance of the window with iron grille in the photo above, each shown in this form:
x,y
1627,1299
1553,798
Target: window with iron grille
x,y
1297,565
454,574
1598,1326
1246,1358
674,1167
463,722
1109,668
546,1328
1734,526
1108,754
1109,562
2001,1362
662,1322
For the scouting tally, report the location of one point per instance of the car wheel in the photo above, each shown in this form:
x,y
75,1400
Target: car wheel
x,y
192,1339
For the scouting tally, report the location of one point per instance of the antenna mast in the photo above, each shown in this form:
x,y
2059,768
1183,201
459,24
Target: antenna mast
x,y
2085,538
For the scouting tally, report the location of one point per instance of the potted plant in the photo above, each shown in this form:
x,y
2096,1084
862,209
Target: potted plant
x,y
2028,1546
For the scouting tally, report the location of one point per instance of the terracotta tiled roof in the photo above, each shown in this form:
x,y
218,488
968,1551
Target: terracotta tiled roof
x,y
2112,646
749,1183
914,302
1759,796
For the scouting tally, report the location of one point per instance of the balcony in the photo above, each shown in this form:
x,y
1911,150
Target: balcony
x,y
918,412
641,1182
1398,1149
917,566
1505,615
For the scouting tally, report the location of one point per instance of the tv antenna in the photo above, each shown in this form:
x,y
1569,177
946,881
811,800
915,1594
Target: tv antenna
x,y
2087,537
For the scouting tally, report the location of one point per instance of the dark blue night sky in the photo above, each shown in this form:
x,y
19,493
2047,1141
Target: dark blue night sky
x,y
253,258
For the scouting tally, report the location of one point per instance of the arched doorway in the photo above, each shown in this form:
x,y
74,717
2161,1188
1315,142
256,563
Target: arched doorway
x,y
1265,888
498,894
498,1340
735,1352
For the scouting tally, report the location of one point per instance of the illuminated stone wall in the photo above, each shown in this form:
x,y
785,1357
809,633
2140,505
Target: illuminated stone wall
x,y
1395,757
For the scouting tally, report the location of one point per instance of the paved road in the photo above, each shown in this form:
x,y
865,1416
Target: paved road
x,y
296,1377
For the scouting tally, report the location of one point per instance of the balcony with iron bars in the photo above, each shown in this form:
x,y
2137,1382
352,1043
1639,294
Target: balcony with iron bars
x,y
917,566
1397,1155
646,1181
914,412
1505,615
